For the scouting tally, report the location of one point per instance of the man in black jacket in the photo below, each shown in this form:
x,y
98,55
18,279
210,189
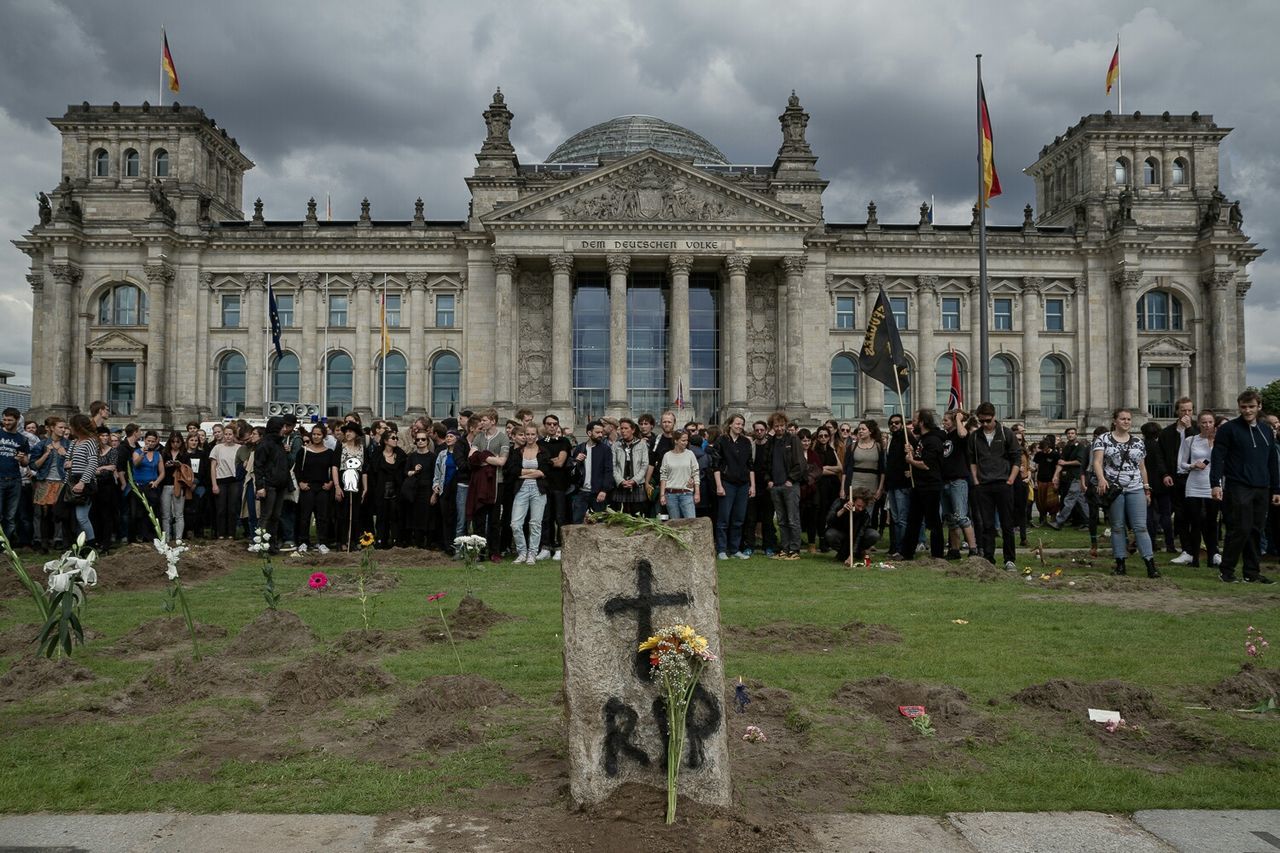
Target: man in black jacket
x,y
1171,439
271,477
1244,459
994,459
787,470
592,474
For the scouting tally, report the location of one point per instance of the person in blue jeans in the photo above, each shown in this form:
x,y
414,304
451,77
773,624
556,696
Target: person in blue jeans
x,y
1118,463
735,482
14,446
678,480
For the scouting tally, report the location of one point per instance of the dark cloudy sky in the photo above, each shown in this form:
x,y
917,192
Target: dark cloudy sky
x,y
383,99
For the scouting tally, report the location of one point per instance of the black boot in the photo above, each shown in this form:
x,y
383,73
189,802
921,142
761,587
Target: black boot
x,y
1152,571
1119,569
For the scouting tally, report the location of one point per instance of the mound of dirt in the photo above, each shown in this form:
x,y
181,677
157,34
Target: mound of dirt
x,y
20,639
471,619
1247,689
443,712
1135,704
948,707
35,674
348,584
791,637
140,567
359,641
308,684
177,681
164,633
273,632
1158,596
389,558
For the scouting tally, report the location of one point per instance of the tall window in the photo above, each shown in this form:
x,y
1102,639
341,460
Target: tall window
x,y
1160,391
123,305
101,163
446,380
1159,311
231,387
951,313
284,378
898,305
893,405
122,386
394,301
162,164
338,309
337,384
647,343
397,384
284,308
1179,175
1002,315
703,391
132,164
1054,315
1150,172
1053,388
1003,387
446,306
1122,171
942,380
845,312
230,310
844,387
590,346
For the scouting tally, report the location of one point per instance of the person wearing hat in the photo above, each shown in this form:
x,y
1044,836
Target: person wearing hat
x,y
352,485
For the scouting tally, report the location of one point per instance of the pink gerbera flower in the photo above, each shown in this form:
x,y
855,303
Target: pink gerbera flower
x,y
435,596
319,580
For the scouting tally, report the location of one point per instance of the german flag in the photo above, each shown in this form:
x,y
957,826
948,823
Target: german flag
x,y
166,62
1113,70
990,180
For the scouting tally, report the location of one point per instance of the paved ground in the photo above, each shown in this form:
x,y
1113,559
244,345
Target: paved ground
x,y
983,832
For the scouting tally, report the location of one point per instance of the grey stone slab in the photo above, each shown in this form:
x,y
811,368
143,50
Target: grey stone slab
x,y
109,833
1239,831
1054,832
877,833
280,833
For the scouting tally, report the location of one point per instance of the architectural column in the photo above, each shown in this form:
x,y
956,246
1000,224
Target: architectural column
x,y
735,332
63,312
1031,323
1224,323
204,402
619,267
973,394
680,361
504,267
39,395
925,380
309,363
1184,379
1128,281
363,376
793,267
1237,360
1143,414
872,390
416,378
561,333
255,360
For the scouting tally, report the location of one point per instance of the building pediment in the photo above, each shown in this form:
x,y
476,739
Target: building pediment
x,y
649,189
116,345
1166,348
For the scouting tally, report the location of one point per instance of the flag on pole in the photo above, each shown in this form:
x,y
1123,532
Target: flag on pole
x,y
273,313
386,338
955,399
166,62
990,180
1113,70
882,357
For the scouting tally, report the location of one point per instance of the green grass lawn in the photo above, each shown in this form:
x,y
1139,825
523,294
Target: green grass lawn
x,y
1015,637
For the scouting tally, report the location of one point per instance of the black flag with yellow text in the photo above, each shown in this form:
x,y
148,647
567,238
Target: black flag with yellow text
x,y
882,356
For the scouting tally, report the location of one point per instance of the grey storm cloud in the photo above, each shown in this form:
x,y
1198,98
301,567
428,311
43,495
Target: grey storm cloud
x,y
384,100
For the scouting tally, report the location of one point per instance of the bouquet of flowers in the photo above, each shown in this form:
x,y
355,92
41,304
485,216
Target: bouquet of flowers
x,y
469,548
676,656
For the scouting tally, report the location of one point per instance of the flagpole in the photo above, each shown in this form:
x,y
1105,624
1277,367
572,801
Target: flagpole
x,y
1119,78
266,365
382,344
324,388
984,342
162,71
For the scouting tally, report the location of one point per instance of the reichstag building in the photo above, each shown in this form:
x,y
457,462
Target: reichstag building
x,y
634,267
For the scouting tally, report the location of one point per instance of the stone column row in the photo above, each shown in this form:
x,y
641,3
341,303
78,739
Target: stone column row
x,y
504,274
1128,281
1032,312
619,267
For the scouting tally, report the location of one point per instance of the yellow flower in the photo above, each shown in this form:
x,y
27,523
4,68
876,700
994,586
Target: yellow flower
x,y
651,643
961,621
366,540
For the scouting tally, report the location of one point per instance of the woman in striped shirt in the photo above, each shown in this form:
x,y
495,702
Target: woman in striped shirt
x,y
82,472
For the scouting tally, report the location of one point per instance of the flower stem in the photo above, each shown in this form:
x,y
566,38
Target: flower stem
x,y
449,634
186,613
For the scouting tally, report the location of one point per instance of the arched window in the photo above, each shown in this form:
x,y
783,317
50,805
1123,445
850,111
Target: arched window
x,y
1179,176
162,164
132,165
337,383
1004,387
446,382
1122,171
942,380
396,385
123,305
1159,311
895,406
1053,388
231,393
844,387
1151,172
101,163
284,378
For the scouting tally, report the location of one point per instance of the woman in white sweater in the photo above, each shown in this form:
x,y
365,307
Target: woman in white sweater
x,y
1201,508
678,479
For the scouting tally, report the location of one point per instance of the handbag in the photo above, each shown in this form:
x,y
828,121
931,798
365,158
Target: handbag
x,y
83,497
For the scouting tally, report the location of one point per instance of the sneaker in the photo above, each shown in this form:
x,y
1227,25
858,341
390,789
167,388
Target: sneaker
x,y
1217,559
1257,579
556,556
1183,559
741,555
1228,578
519,558
1053,522
780,555
1010,566
288,546
544,554
746,553
302,549
722,556
793,555
953,554
770,553
323,549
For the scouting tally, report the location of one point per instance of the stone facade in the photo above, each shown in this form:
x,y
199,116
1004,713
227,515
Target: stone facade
x,y
150,210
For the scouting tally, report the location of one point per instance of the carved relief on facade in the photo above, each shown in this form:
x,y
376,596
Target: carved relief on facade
x,y
762,339
533,308
650,192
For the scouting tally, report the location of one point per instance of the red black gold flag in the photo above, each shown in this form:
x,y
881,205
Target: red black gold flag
x,y
990,180
166,62
1113,70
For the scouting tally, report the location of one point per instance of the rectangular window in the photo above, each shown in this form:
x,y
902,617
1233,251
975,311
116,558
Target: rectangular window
x,y
1054,317
591,346
122,385
393,310
1160,391
951,313
1003,315
284,307
338,309
845,312
702,389
898,304
647,388
445,309
230,310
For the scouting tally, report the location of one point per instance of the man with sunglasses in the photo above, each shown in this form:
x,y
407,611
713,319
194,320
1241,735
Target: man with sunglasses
x,y
897,485
556,448
994,460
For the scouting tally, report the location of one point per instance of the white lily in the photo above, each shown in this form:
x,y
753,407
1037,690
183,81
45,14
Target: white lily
x,y
172,571
60,582
80,540
89,576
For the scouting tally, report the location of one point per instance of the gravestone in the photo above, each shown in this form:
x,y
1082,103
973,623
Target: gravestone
x,y
617,590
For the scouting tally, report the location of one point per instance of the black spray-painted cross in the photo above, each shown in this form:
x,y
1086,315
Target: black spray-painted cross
x,y
643,604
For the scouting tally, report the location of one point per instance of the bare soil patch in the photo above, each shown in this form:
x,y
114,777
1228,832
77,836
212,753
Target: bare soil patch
x,y
273,632
162,634
305,686
441,713
34,674
471,619
176,681
1245,690
1151,595
389,558
792,637
948,707
138,566
347,584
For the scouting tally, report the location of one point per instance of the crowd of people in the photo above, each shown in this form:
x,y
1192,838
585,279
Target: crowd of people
x,y
952,484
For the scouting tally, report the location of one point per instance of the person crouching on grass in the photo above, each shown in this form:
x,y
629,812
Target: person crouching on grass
x,y
839,523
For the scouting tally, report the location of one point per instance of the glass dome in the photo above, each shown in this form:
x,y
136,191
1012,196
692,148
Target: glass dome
x,y
627,135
